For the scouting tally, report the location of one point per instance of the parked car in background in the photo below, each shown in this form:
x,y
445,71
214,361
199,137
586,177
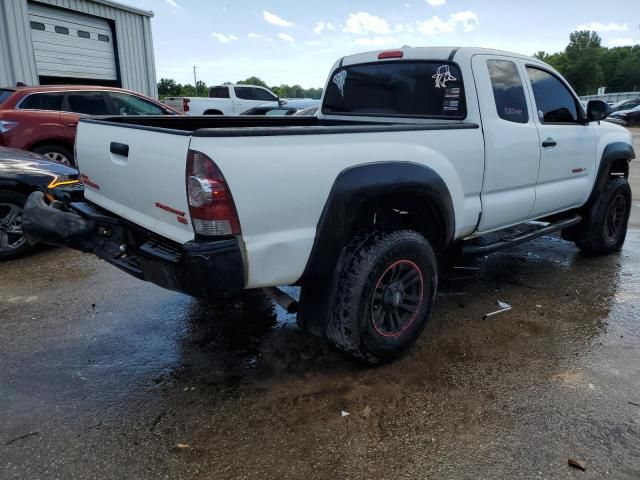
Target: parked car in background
x,y
628,118
20,174
223,100
43,119
625,105
283,107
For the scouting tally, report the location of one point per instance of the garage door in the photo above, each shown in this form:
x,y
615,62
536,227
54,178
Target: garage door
x,y
70,44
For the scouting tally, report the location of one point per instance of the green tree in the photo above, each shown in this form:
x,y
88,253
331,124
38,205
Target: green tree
x,y
253,81
168,87
583,54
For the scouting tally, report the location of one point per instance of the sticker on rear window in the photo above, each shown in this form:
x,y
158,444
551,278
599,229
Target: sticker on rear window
x,y
442,76
339,79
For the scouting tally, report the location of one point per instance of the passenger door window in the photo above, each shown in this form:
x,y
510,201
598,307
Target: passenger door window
x,y
554,101
125,104
43,101
508,91
87,103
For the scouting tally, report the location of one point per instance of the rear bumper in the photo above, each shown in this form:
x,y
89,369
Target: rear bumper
x,y
201,269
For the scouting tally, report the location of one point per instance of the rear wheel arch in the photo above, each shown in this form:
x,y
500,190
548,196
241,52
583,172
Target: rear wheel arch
x,y
348,213
361,193
38,146
212,112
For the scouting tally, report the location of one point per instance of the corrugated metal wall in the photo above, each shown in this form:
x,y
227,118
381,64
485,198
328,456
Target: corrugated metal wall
x,y
132,32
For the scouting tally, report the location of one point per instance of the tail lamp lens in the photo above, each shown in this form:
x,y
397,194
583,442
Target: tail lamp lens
x,y
210,202
185,104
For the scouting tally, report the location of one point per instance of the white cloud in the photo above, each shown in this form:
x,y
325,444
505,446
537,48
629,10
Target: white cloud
x,y
321,26
467,18
257,36
622,42
436,3
601,27
313,43
376,41
362,23
274,19
172,3
222,38
286,38
435,25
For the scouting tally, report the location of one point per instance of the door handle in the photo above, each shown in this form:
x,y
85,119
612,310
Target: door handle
x,y
119,149
549,142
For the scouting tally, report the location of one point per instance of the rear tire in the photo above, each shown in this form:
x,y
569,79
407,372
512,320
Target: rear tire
x,y
605,227
56,153
386,290
13,243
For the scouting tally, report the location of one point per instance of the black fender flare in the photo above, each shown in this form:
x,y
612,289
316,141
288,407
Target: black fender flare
x,y
612,152
352,189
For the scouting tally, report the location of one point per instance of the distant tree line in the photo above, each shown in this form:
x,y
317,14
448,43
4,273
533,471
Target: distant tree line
x,y
168,87
587,65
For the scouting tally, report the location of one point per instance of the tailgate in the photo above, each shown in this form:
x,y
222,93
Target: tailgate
x,y
138,174
175,102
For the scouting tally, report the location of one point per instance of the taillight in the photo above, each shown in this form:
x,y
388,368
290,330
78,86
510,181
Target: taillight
x,y
390,54
210,202
185,104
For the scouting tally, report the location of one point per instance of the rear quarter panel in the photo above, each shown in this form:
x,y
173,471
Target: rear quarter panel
x,y
280,185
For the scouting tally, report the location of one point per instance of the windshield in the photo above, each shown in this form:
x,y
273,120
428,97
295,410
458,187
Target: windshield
x,y
431,89
4,94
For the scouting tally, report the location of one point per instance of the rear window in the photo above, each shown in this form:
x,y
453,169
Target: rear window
x,y
4,94
410,89
43,101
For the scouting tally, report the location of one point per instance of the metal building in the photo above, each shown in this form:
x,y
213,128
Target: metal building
x,y
93,42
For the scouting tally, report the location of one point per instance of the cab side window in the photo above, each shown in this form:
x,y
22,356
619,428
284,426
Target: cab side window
x,y
554,101
508,91
87,103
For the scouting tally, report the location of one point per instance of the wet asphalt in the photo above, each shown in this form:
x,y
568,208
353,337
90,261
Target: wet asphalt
x,y
106,377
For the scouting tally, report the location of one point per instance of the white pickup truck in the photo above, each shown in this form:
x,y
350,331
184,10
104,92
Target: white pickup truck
x,y
414,153
223,100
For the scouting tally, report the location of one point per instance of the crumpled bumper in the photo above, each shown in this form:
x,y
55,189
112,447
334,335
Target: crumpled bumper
x,y
201,269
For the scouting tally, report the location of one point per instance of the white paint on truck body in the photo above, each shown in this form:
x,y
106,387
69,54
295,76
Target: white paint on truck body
x,y
281,183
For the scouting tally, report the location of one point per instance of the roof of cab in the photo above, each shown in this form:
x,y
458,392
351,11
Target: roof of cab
x,y
431,53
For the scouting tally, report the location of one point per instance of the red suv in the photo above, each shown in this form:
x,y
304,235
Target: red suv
x,y
44,119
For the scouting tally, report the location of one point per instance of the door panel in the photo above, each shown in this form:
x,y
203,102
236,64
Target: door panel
x,y
512,150
567,161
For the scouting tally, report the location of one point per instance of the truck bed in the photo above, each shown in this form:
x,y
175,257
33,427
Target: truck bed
x,y
227,126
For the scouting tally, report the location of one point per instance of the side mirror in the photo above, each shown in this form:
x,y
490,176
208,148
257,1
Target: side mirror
x,y
597,110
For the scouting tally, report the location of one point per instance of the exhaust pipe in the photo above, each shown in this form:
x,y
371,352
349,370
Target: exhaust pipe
x,y
283,299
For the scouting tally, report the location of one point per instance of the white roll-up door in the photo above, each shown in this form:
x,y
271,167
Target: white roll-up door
x,y
70,44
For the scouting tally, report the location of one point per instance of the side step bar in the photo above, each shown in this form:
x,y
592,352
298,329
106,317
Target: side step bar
x,y
525,237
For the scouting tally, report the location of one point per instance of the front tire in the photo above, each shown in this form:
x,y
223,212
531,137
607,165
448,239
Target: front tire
x,y
386,290
605,227
13,243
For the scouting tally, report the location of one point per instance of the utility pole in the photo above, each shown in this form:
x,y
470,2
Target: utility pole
x,y
195,82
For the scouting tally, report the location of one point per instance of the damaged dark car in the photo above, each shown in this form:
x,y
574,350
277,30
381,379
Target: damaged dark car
x,y
22,173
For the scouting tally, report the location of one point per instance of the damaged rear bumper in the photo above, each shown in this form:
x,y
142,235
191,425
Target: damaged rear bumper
x,y
201,269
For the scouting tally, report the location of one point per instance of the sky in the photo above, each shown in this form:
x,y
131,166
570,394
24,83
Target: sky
x,y
297,41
